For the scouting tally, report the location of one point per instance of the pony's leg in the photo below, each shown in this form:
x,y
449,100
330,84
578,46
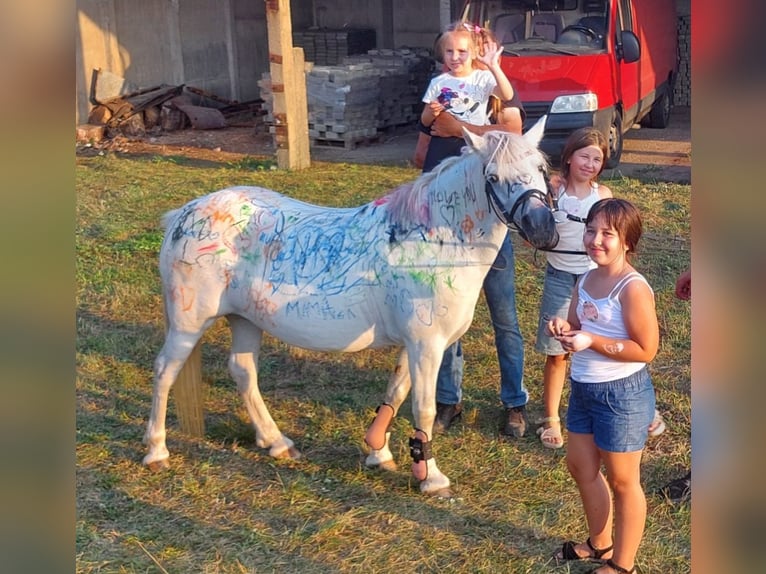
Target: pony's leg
x,y
424,367
378,433
169,362
243,366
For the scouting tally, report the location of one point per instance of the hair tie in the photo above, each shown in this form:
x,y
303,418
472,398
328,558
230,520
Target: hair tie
x,y
475,28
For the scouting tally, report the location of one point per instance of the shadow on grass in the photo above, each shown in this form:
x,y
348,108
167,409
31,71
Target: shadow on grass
x,y
226,500
223,503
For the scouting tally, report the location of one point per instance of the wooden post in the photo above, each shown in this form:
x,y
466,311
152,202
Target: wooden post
x,y
288,86
190,396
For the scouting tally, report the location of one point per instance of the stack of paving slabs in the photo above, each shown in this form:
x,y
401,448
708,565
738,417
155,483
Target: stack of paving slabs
x,y
267,95
327,47
404,76
343,104
352,103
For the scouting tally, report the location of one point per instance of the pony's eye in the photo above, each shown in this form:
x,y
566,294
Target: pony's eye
x,y
492,178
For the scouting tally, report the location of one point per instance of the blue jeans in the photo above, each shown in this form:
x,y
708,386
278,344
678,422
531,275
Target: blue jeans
x,y
617,413
500,293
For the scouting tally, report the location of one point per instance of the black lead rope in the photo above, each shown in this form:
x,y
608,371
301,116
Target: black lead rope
x,y
565,251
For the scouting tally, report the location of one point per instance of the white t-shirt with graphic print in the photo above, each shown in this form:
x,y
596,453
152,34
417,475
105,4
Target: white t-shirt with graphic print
x,y
465,98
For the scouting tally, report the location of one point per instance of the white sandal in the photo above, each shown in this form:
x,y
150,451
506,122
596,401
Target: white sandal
x,y
658,423
551,435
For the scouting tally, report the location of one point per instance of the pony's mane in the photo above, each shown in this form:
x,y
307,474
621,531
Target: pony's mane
x,y
409,205
509,151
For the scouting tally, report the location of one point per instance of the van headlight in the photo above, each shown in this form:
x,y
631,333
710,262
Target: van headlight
x,y
575,103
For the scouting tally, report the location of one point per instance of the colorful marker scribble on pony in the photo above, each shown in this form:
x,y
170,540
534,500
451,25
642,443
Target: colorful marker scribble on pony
x,y
404,270
309,261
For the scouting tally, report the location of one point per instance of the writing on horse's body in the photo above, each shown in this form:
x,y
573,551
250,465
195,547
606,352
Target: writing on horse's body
x,y
404,270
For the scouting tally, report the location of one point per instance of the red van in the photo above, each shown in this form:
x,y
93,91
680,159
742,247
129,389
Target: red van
x,y
603,63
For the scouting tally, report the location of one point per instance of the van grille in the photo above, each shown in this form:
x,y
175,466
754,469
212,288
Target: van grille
x,y
534,111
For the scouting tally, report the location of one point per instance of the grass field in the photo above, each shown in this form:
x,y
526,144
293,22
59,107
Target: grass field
x,y
226,507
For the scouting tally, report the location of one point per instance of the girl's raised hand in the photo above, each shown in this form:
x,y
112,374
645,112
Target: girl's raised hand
x,y
492,53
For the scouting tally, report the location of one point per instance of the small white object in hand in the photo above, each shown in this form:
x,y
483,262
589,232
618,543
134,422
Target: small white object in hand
x,y
581,341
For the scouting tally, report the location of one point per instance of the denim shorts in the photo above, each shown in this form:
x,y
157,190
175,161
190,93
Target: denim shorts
x,y
558,289
617,413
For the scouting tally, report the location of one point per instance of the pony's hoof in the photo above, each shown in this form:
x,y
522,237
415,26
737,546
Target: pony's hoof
x,y
158,465
444,493
386,465
380,460
291,452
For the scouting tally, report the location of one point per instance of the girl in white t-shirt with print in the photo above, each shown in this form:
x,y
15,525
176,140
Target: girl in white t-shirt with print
x,y
464,89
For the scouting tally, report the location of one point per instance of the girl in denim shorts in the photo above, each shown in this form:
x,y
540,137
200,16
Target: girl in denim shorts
x,y
582,160
612,333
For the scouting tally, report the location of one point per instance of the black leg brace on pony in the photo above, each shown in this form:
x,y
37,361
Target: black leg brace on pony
x,y
420,450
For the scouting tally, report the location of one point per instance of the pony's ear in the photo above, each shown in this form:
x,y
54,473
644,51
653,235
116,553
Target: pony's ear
x,y
476,142
535,133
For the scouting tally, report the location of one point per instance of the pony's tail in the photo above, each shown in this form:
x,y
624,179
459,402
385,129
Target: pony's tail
x,y
168,218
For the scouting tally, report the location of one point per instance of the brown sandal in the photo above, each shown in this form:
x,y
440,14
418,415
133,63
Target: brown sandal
x,y
568,551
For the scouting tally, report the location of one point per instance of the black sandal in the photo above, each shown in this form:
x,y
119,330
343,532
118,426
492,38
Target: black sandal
x,y
620,569
568,551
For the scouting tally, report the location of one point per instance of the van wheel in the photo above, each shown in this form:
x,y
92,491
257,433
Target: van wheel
x,y
659,115
614,140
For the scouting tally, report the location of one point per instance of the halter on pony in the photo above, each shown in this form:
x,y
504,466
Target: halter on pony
x,y
508,217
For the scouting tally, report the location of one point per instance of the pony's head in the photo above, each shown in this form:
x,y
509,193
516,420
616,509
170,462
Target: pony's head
x,y
517,185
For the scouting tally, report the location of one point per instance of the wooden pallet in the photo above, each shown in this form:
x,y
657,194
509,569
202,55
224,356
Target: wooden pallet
x,y
346,143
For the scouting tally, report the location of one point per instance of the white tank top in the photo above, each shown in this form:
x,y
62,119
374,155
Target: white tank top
x,y
603,317
570,232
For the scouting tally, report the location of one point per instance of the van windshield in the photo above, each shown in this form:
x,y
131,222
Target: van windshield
x,y
528,26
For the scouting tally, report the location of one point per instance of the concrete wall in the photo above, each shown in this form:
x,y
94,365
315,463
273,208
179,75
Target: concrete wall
x,y
252,46
153,42
398,23
220,46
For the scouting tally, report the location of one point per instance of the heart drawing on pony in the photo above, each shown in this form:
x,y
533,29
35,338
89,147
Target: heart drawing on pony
x,y
404,270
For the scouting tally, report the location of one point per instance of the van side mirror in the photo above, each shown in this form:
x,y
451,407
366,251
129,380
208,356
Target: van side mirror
x,y
630,49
